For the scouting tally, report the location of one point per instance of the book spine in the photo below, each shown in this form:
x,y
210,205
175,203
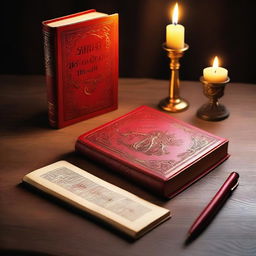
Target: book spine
x,y
146,181
49,40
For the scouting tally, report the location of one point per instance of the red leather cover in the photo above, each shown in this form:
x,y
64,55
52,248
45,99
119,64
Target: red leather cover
x,y
81,62
155,149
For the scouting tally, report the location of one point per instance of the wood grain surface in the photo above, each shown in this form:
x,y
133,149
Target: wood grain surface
x,y
34,224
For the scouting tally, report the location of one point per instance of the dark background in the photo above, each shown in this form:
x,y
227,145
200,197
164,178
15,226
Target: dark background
x,y
213,27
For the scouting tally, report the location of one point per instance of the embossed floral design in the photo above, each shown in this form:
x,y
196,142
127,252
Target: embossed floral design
x,y
198,142
161,166
151,143
154,143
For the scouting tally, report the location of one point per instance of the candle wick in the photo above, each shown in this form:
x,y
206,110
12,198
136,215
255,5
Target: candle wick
x,y
175,23
215,70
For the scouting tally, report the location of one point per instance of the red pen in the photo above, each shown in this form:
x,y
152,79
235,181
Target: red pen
x,y
212,208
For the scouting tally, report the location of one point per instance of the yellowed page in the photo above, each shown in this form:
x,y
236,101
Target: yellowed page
x,y
76,19
118,207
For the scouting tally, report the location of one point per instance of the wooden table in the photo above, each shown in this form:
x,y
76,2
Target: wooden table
x,y
31,224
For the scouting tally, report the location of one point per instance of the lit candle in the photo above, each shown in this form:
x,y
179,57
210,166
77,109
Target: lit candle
x,y
215,74
175,32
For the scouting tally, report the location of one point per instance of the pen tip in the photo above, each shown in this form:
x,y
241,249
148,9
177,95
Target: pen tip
x,y
188,239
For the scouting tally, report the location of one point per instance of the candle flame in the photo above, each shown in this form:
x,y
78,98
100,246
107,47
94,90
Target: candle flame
x,y
215,62
175,14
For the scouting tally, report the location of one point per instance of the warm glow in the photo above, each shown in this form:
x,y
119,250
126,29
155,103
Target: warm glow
x,y
175,14
215,74
215,63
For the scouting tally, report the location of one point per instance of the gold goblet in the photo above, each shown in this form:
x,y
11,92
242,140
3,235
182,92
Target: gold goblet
x,y
213,110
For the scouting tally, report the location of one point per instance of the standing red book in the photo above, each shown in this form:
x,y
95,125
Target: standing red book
x,y
154,149
81,61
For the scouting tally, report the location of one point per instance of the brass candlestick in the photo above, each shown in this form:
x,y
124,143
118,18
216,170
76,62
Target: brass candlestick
x,y
174,103
213,110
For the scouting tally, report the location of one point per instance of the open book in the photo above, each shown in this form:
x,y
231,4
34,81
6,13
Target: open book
x,y
117,207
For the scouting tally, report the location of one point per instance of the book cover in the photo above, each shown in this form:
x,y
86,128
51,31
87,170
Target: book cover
x,y
154,149
105,201
81,62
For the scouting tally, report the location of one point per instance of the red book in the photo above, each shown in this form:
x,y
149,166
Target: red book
x,y
154,149
81,61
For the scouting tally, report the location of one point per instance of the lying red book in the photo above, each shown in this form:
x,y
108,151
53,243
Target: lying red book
x,y
154,149
81,61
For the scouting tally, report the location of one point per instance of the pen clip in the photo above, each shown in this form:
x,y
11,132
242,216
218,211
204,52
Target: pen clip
x,y
235,186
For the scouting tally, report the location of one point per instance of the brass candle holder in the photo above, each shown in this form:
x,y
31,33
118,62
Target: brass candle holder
x,y
174,103
213,110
